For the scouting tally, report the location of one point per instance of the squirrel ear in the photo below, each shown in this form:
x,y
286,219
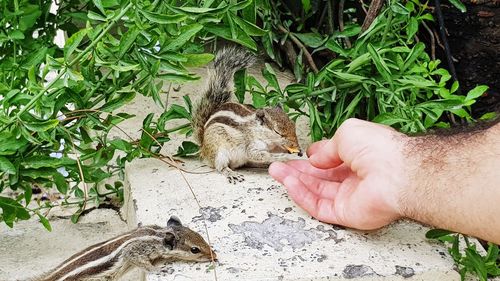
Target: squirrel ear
x,y
279,105
169,240
260,116
174,221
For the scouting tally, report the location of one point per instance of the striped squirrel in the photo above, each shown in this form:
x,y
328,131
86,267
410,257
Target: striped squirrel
x,y
146,247
232,135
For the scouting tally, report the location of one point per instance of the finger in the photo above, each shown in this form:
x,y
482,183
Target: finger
x,y
279,171
320,208
338,174
322,188
313,148
326,156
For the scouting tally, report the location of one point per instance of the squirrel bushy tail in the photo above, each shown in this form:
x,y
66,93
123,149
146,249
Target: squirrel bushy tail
x,y
226,63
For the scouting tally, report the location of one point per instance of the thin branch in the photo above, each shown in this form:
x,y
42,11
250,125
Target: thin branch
x,y
363,6
301,46
80,171
341,22
433,40
330,5
372,13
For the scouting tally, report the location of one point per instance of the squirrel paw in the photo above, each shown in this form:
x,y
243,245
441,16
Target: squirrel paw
x,y
235,178
232,176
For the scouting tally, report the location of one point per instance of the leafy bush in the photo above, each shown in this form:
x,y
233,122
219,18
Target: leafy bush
x,y
468,259
54,130
384,75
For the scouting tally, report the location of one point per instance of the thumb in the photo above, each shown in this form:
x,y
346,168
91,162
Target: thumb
x,y
326,156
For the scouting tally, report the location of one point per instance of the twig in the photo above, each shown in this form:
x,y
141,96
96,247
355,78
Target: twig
x,y
291,54
363,6
433,40
329,6
80,171
372,13
341,22
442,31
322,18
301,46
438,41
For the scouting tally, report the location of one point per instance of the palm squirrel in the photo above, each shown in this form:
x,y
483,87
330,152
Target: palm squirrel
x,y
146,247
232,135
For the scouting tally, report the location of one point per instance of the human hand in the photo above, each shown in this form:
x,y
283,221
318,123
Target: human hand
x,y
355,179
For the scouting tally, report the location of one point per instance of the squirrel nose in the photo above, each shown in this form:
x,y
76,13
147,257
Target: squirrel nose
x,y
300,153
214,256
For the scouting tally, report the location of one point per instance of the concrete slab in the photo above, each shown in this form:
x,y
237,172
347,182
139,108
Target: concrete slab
x,y
259,234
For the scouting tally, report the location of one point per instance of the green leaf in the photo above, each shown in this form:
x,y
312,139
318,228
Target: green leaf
x,y
35,58
270,76
127,40
201,10
241,5
459,5
349,77
118,102
187,149
389,119
176,112
488,116
186,33
16,35
476,262
313,40
334,46
248,27
412,27
6,166
125,68
415,52
379,63
225,32
43,161
60,182
240,85
197,60
94,16
10,143
437,233
99,6
42,126
164,19
258,100
73,42
306,4
476,92
11,210
121,145
45,222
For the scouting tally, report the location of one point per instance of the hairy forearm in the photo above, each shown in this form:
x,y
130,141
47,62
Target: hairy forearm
x,y
455,182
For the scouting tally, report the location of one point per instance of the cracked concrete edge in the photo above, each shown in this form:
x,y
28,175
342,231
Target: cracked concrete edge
x,y
426,276
129,207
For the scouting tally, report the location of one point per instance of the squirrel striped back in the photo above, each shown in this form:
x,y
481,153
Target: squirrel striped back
x,y
226,63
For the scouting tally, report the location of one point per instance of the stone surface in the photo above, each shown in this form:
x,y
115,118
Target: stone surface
x,y
259,234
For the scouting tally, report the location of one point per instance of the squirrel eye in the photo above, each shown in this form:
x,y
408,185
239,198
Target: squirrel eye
x,y
195,250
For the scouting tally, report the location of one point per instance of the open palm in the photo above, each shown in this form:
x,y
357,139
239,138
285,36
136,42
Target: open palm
x,y
354,179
